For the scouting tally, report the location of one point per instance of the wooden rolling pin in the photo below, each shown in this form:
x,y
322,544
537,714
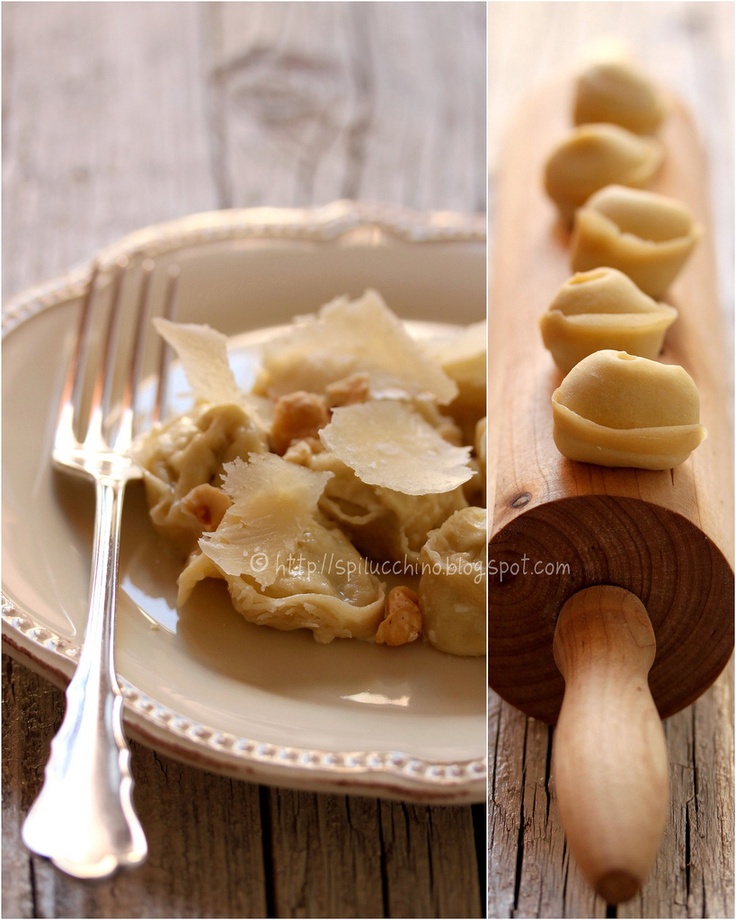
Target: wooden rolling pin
x,y
607,576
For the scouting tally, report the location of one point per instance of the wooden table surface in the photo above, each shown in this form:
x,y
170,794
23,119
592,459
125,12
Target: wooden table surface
x,y
120,115
689,48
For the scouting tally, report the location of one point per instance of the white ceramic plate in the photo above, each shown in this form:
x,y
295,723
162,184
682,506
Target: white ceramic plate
x,y
202,684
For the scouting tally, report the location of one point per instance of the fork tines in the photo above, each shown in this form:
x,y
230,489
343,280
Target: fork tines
x,y
114,349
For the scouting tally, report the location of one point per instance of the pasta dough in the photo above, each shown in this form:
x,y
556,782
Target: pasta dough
x,y
647,236
591,157
616,409
617,92
599,309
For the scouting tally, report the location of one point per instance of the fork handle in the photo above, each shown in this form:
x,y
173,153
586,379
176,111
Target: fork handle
x,y
83,819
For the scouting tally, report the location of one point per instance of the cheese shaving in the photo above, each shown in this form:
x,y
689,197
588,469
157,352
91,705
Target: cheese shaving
x,y
348,337
388,444
274,503
203,354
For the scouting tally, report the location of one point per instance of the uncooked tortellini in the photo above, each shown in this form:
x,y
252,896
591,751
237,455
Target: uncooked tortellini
x,y
599,309
452,585
591,157
646,235
616,409
617,92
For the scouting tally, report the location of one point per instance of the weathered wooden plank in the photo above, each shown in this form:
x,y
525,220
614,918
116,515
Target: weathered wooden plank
x,y
105,128
431,846
324,858
357,100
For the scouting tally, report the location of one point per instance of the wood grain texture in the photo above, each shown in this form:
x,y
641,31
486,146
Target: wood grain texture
x,y
530,871
119,115
609,757
344,116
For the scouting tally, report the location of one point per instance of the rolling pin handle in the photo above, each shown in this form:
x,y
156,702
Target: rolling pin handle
x,y
609,753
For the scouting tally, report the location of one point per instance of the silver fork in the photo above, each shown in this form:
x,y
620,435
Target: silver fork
x,y
83,818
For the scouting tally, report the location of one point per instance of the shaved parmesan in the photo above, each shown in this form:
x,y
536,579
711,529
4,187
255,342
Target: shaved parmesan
x,y
203,354
386,443
274,503
348,337
267,478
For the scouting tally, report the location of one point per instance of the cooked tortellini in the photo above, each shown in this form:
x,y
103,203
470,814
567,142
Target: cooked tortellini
x,y
356,442
600,309
476,489
452,585
593,156
270,548
182,462
463,359
646,235
383,523
616,409
618,92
